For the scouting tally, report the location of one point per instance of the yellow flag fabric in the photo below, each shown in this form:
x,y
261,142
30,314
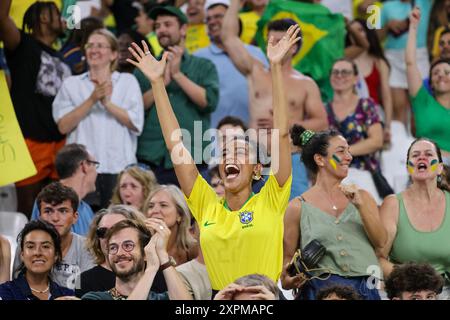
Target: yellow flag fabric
x,y
18,9
15,160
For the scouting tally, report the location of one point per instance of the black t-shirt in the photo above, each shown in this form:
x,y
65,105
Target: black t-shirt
x,y
37,72
101,279
124,13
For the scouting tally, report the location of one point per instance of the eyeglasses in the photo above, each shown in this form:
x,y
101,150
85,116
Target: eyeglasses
x,y
343,72
96,45
101,232
127,246
96,163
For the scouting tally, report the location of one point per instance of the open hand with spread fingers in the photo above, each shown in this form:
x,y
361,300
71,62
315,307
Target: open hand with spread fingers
x,y
144,61
276,52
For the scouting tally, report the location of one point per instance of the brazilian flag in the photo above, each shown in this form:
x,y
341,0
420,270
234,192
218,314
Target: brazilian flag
x,y
323,38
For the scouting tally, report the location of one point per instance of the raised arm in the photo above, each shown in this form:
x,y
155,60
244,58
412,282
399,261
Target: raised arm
x,y
360,42
412,71
234,47
9,33
386,97
184,165
276,54
389,212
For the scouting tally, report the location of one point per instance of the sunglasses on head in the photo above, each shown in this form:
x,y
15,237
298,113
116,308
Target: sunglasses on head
x,y
101,232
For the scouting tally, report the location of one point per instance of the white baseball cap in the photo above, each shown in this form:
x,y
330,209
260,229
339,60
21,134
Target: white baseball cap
x,y
210,3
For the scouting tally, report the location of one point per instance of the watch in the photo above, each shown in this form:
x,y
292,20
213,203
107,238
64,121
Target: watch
x,y
170,263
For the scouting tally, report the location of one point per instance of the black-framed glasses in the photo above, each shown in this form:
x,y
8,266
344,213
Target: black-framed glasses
x,y
101,232
95,163
127,246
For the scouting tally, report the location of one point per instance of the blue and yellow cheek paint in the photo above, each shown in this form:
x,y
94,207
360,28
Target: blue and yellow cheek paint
x,y
410,167
434,165
334,161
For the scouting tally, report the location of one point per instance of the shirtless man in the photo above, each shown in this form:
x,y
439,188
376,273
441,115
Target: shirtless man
x,y
305,105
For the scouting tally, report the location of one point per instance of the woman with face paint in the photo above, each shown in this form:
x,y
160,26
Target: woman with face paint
x,y
431,112
418,219
242,232
343,218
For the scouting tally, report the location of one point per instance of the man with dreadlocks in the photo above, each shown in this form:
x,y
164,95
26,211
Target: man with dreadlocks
x,y
37,72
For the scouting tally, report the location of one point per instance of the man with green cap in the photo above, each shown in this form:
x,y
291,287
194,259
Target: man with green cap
x,y
193,88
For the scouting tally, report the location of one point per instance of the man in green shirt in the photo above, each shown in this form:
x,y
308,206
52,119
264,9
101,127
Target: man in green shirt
x,y
193,88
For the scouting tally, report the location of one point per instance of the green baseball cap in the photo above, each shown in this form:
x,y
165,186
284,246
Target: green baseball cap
x,y
170,10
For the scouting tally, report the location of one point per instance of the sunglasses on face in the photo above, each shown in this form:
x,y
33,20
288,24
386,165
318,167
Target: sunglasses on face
x,y
101,232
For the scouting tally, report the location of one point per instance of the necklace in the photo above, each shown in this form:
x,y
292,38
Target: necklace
x,y
333,206
116,295
40,291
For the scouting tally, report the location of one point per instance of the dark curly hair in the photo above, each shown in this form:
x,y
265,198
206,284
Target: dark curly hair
x,y
318,144
413,277
56,193
41,226
343,292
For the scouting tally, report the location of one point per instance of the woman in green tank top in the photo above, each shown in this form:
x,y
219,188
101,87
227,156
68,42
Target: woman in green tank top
x,y
344,219
418,219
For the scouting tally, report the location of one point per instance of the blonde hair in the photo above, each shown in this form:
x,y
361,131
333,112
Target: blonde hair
x,y
184,239
92,240
112,41
145,177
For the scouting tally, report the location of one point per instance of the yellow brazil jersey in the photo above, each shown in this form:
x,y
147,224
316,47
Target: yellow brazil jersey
x,y
249,25
196,37
242,242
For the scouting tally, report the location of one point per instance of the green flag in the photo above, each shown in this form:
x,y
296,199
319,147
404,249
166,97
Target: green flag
x,y
323,38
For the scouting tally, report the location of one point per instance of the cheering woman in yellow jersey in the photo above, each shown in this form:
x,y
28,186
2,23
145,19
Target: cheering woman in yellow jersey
x,y
241,233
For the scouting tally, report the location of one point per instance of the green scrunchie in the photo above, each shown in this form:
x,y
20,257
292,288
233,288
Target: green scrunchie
x,y
306,136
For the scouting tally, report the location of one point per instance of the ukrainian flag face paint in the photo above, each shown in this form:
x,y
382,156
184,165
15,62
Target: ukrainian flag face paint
x,y
434,165
410,167
334,161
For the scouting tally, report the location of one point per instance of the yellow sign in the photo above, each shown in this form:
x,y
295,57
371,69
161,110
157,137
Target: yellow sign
x,y
15,160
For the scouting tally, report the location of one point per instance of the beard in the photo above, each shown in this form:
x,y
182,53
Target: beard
x,y
126,275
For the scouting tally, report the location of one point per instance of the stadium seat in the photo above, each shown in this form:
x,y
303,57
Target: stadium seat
x,y
11,223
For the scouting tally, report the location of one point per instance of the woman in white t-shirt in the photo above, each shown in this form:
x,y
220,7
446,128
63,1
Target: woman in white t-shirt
x,y
102,109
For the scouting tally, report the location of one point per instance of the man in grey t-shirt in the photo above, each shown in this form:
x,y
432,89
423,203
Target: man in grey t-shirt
x,y
58,205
